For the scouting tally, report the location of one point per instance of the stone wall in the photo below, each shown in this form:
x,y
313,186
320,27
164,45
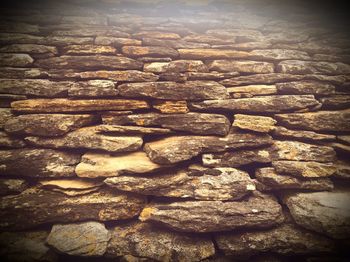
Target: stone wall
x,y
173,132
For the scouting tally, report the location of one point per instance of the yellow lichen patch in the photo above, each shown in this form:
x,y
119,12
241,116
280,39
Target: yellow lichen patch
x,y
146,213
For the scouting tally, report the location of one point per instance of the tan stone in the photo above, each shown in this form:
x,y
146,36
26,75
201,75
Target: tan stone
x,y
157,51
253,90
171,107
88,50
262,124
211,54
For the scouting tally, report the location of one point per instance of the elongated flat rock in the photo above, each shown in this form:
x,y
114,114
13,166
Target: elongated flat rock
x,y
280,131
228,184
298,151
324,212
307,169
273,104
93,88
272,180
252,67
258,211
171,107
131,130
16,60
179,66
317,121
5,115
61,105
123,76
191,90
278,54
9,141
89,138
261,124
305,87
12,186
312,67
38,163
252,90
88,50
196,123
47,124
89,62
152,51
34,207
150,242
203,53
29,49
105,165
82,239
285,239
180,148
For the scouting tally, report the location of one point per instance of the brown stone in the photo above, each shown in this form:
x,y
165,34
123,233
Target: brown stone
x,y
196,123
61,105
253,90
105,165
278,54
228,184
210,53
116,41
324,212
29,49
89,62
252,67
210,75
173,43
5,114
12,186
171,107
312,67
157,51
156,244
13,72
307,169
36,206
131,130
305,87
176,66
88,50
317,121
180,148
336,102
261,124
93,88
9,141
66,40
38,163
280,131
273,104
16,60
209,39
123,76
191,90
258,211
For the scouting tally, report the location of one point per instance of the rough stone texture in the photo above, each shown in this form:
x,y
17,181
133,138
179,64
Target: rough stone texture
x,y
311,67
196,123
38,163
252,67
104,165
131,130
144,240
171,107
191,90
210,54
285,239
82,239
261,124
157,51
252,90
273,104
47,124
307,169
35,206
89,138
301,135
305,87
272,180
229,184
9,141
175,149
16,60
12,186
88,50
124,76
324,212
61,105
207,216
176,66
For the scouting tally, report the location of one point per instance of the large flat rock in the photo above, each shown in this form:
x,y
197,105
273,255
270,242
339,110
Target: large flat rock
x,y
313,67
306,169
210,53
261,124
116,75
252,67
258,211
151,51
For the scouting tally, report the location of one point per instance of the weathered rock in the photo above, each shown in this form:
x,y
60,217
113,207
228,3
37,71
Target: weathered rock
x,y
210,53
89,62
317,121
25,247
196,123
280,131
175,77
324,212
210,75
66,40
82,239
156,34
307,169
179,66
16,60
171,107
7,99
12,186
116,41
252,90
344,139
61,105
336,102
88,50
15,38
89,138
229,184
285,239
312,67
278,54
298,151
35,206
123,76
157,51
112,31
343,169
17,72
89,20
180,148
191,90
239,157
258,211
131,130
29,49
272,180
273,104
47,124
241,66
38,163
10,141
93,88
147,241
262,124
75,184
305,87
5,114
173,43
210,39
105,165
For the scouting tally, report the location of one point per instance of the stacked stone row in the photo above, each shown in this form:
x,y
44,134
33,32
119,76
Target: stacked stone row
x,y
154,138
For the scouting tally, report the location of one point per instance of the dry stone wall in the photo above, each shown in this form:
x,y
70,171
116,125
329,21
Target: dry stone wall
x,y
173,132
